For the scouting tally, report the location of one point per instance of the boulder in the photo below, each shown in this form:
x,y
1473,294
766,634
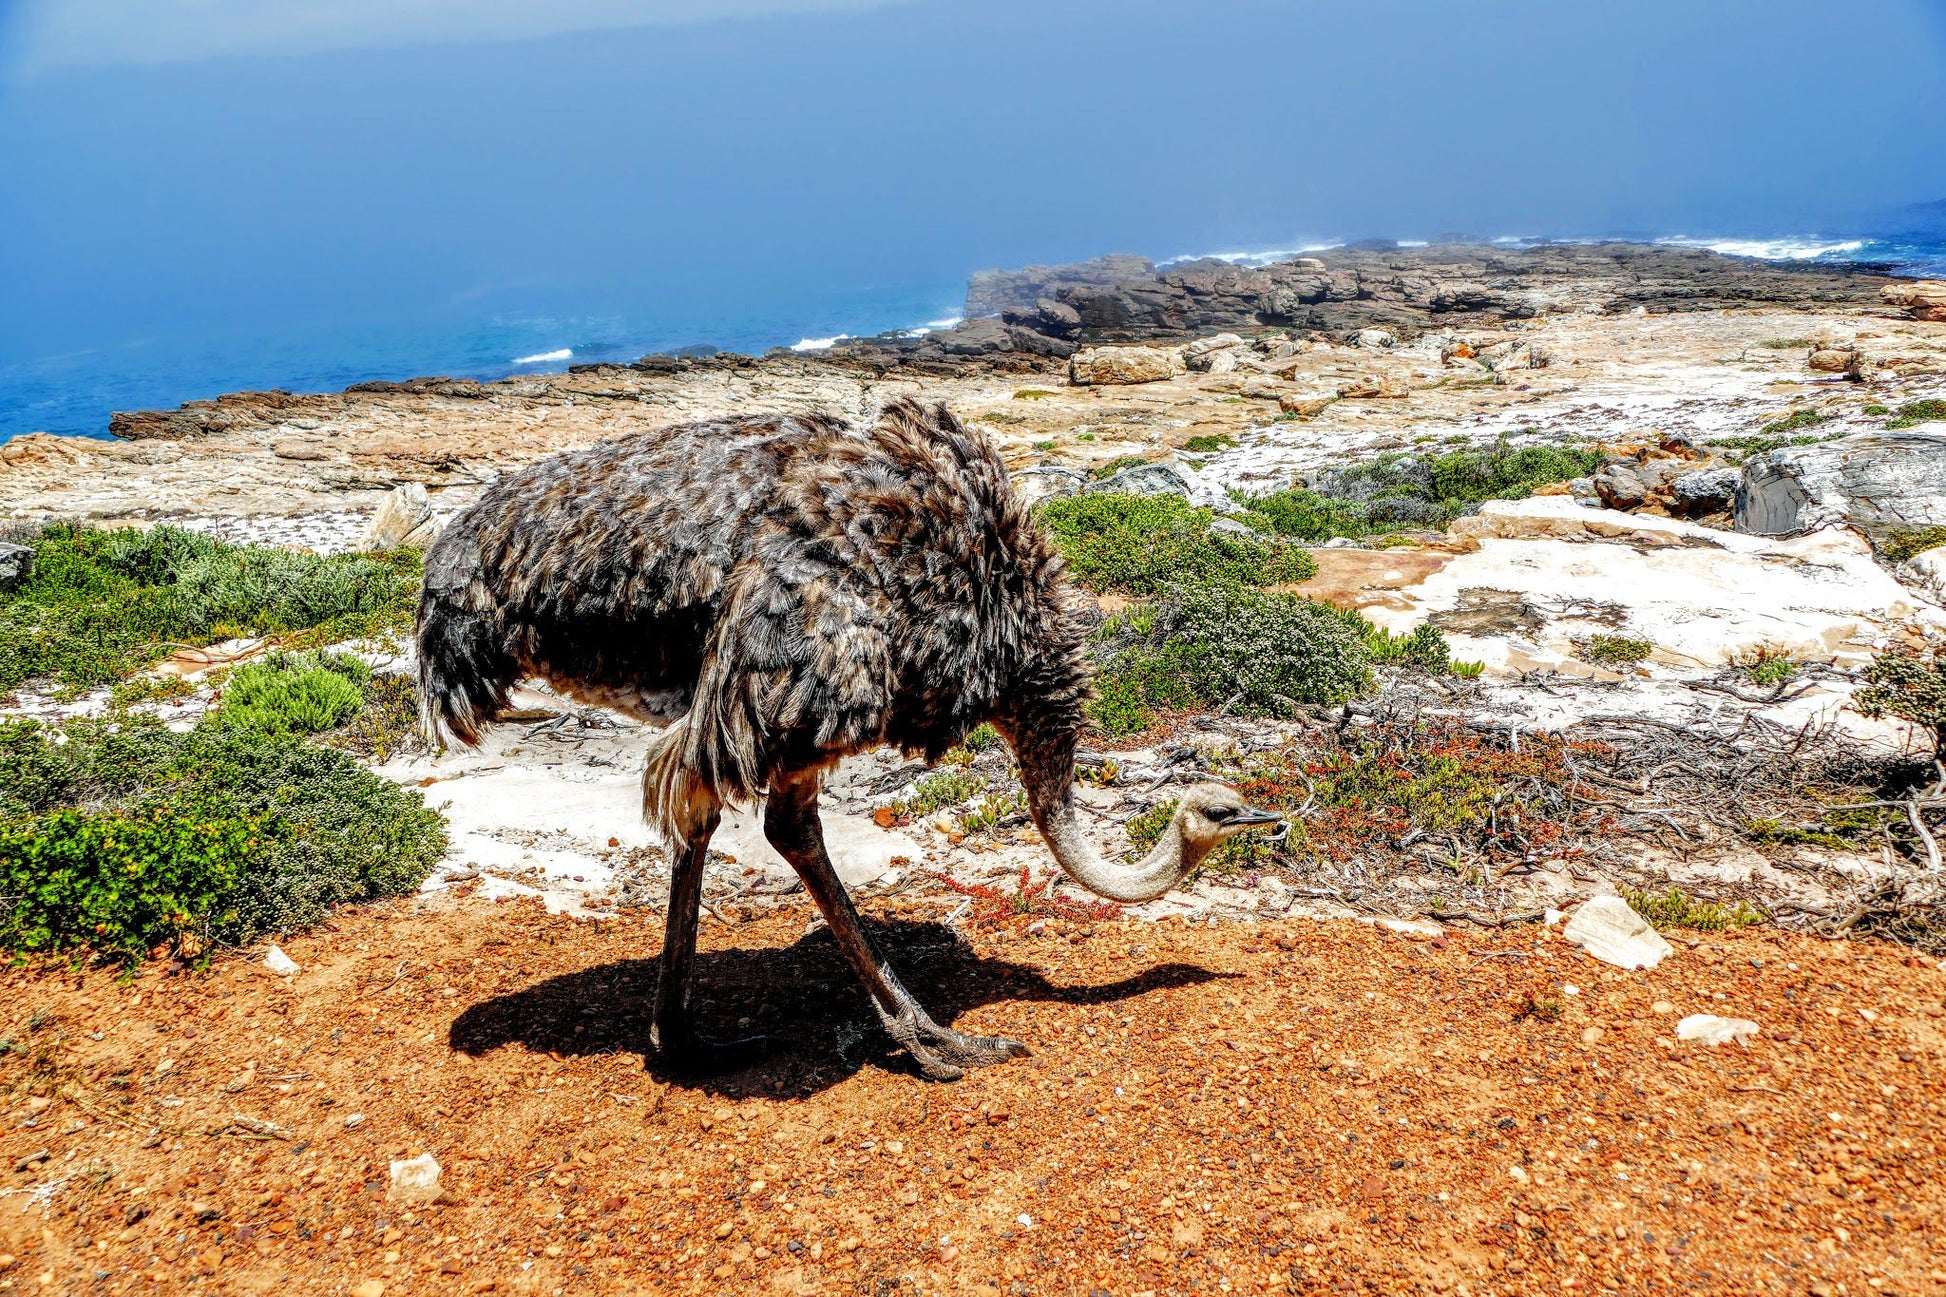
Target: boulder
x,y
1303,405
1217,342
16,565
1217,362
1704,491
1379,339
404,518
1619,486
1047,482
1878,483
1609,930
1922,299
1849,361
1096,366
1925,572
1144,479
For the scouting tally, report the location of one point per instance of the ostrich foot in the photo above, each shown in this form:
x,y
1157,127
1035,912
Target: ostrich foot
x,y
941,1053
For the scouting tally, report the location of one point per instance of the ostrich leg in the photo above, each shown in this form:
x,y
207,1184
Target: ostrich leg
x,y
672,1033
792,825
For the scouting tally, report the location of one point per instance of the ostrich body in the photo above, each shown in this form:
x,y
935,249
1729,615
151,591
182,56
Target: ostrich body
x,y
782,592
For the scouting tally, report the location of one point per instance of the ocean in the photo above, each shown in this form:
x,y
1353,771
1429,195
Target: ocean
x,y
75,392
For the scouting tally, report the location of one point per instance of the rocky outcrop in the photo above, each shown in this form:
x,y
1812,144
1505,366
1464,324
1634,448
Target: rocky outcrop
x,y
991,292
1099,366
1877,483
1922,299
1047,482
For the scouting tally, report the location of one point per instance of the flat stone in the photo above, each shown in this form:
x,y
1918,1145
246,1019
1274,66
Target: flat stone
x,y
1610,931
1708,1029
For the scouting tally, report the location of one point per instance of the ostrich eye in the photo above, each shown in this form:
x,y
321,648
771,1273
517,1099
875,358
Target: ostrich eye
x,y
1220,813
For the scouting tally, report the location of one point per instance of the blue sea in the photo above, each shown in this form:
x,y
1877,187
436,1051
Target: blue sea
x,y
75,391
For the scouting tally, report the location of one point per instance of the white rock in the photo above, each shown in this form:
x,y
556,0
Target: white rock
x,y
1046,482
1215,342
1712,1030
404,518
1925,572
1097,365
280,963
1878,483
353,1120
1609,930
415,1180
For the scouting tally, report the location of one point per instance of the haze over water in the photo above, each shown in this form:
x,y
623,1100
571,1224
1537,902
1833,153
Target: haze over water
x,y
205,197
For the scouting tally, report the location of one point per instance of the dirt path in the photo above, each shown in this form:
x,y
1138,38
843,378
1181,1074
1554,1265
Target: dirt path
x,y
1296,1106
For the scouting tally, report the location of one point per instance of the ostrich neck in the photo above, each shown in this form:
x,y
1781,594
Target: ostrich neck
x,y
1151,876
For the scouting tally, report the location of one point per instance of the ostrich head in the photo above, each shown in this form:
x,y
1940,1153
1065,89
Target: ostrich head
x,y
1207,815
1211,814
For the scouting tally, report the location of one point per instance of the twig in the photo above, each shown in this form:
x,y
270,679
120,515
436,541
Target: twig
x,y
389,985
1925,835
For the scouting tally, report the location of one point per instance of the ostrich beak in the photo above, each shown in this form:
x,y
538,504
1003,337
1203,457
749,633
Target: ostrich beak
x,y
1250,815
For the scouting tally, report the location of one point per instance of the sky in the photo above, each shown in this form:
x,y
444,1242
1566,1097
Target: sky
x,y
235,169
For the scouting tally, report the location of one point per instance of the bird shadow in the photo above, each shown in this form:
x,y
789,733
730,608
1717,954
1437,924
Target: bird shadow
x,y
803,998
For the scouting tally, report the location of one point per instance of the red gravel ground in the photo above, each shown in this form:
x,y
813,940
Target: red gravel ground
x,y
1291,1107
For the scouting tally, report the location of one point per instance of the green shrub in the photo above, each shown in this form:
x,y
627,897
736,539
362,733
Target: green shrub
x,y
124,835
1677,909
1138,544
1914,413
388,723
1795,421
1616,651
1770,668
1394,491
1261,652
937,791
1209,444
294,693
1786,344
1910,686
1905,544
1103,472
102,605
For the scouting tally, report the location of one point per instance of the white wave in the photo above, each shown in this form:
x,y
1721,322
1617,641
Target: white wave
x,y
819,344
1414,243
1259,257
541,357
1788,249
931,326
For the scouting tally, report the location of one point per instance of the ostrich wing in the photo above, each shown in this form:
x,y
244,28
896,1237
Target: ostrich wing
x,y
798,670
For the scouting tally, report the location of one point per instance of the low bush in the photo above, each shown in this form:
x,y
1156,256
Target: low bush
x,y
1206,445
101,605
937,791
1906,544
1795,421
1263,653
1910,686
124,836
1914,413
1398,491
1616,652
294,693
1675,908
1139,544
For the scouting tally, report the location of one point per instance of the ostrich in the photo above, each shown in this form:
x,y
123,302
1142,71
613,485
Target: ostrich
x,y
780,592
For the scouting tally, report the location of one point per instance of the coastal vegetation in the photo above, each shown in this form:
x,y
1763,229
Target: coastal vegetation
x,y
124,837
1402,491
101,605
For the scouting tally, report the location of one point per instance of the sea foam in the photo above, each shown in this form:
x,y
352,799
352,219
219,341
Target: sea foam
x,y
1787,249
541,357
